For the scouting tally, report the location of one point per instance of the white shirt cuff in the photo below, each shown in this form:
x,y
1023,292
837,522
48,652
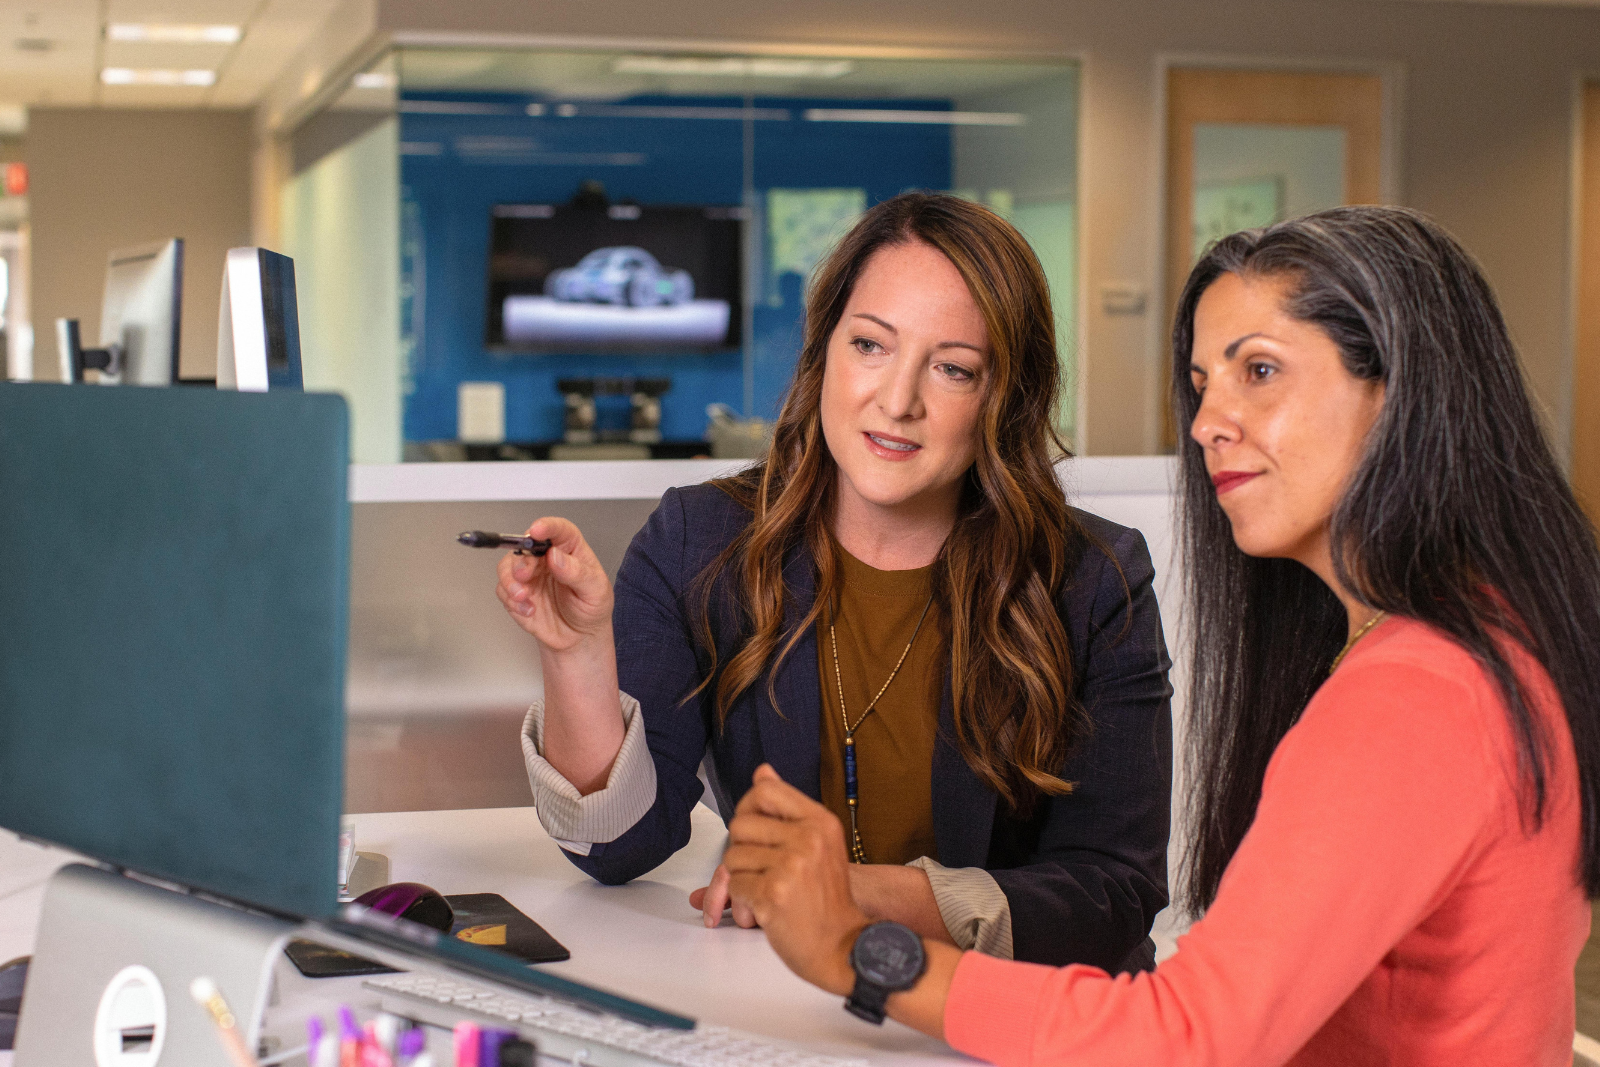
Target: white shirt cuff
x,y
579,822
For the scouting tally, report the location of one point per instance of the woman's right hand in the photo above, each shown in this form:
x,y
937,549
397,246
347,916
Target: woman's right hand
x,y
563,598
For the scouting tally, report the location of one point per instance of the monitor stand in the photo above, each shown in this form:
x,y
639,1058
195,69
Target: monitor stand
x,y
109,982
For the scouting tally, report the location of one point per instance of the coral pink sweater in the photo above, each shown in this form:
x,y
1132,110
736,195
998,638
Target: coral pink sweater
x,y
1388,906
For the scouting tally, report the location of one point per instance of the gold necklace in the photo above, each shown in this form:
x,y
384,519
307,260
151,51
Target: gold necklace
x,y
1358,635
857,853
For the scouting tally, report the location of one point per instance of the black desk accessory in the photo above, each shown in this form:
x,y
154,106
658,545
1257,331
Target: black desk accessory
x,y
485,919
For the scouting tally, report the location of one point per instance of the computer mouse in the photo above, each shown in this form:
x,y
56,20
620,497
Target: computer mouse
x,y
413,902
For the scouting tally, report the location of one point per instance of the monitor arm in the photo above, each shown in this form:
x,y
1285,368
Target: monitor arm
x,y
75,359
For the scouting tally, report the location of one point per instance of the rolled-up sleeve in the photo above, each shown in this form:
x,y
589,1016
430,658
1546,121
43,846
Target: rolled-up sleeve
x,y
973,906
579,822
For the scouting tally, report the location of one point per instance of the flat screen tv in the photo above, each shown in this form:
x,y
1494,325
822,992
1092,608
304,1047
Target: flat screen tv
x,y
624,278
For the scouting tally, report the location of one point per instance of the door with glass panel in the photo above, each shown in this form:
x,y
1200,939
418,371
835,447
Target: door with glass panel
x,y
1247,148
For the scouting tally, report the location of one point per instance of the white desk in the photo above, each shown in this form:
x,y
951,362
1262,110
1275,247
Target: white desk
x,y
642,939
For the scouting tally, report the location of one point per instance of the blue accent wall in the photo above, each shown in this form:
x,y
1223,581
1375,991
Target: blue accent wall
x,y
472,151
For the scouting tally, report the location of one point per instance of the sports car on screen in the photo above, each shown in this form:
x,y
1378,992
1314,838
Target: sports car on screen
x,y
625,277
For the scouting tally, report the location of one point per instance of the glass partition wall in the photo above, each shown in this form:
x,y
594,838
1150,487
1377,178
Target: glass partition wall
x,y
594,247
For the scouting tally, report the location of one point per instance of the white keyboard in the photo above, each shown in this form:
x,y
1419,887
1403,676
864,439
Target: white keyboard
x,y
580,1037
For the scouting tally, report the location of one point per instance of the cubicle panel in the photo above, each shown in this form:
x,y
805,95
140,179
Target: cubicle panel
x,y
440,677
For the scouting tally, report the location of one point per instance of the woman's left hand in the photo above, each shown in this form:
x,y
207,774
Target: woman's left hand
x,y
787,861
713,900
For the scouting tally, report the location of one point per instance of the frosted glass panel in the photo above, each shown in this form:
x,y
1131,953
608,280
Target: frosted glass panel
x,y
1029,175
800,148
1249,174
340,223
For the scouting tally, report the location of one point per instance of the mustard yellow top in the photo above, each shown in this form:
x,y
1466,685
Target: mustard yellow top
x,y
876,615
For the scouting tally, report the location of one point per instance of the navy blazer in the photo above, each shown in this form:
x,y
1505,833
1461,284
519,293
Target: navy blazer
x,y
1085,873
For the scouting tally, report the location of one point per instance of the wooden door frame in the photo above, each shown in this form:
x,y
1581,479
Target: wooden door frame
x,y
1585,477
1392,81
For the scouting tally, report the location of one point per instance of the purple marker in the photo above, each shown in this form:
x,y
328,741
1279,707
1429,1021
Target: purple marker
x,y
412,1042
349,1038
489,1046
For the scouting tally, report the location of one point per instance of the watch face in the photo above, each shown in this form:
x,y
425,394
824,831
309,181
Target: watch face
x,y
889,955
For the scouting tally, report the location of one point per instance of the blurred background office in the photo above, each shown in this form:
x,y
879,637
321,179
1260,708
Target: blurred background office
x,y
580,230
431,167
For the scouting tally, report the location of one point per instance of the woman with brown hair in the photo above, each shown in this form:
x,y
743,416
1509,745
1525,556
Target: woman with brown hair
x,y
897,609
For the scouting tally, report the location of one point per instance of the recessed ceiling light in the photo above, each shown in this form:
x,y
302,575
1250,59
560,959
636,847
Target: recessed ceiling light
x,y
127,76
374,79
733,66
173,33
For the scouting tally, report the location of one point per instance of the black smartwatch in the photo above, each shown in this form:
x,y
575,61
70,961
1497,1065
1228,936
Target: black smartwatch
x,y
888,958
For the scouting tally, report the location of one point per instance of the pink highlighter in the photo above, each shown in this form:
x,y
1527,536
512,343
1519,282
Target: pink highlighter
x,y
468,1044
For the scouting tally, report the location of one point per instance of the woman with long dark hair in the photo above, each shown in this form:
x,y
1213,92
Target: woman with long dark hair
x,y
1395,714
898,609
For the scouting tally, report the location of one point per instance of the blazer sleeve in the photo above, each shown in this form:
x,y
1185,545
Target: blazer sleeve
x,y
658,666
1089,886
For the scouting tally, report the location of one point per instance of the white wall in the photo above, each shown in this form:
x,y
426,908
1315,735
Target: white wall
x,y
340,223
109,178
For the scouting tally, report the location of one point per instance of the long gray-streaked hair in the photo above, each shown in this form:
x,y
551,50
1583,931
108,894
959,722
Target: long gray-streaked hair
x,y
1457,515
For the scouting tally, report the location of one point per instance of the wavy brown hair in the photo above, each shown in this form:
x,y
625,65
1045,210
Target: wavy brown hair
x,y
1014,543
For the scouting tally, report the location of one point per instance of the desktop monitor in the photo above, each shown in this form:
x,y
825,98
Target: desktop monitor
x,y
173,614
140,316
258,328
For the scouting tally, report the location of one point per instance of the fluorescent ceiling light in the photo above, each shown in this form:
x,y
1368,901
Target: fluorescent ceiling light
x,y
733,66
945,118
127,76
171,33
374,79
655,111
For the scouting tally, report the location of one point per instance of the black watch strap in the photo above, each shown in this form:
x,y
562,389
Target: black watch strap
x,y
887,958
868,1001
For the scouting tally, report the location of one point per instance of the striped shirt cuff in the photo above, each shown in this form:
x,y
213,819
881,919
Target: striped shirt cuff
x,y
973,906
576,822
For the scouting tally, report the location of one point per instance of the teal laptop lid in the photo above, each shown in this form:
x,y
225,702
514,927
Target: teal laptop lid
x,y
173,601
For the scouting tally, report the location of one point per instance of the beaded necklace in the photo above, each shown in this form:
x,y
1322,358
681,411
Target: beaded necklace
x,y
857,853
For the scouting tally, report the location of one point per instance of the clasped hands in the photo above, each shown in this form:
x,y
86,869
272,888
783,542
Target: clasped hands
x,y
786,870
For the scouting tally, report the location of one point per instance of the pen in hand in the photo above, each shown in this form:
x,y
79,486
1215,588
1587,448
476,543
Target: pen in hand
x,y
522,546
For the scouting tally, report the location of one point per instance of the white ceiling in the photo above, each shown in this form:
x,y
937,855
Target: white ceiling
x,y
52,51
